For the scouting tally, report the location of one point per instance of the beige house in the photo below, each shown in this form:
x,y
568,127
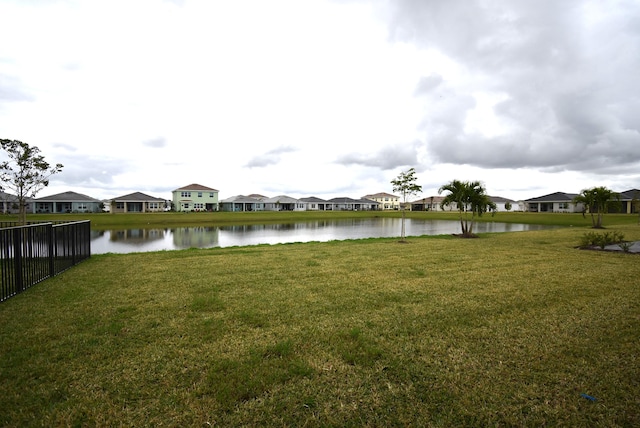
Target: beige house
x,y
386,201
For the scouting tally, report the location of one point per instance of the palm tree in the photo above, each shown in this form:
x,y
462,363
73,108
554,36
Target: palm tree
x,y
470,197
597,200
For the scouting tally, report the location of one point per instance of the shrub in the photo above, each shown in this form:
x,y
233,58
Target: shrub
x,y
625,246
591,239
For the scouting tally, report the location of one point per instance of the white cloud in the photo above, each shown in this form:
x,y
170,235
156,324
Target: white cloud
x,y
324,97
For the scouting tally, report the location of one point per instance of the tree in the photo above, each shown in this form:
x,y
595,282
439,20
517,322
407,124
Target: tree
x,y
469,197
405,184
597,200
26,172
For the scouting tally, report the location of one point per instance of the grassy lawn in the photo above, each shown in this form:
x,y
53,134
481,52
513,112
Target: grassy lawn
x,y
508,329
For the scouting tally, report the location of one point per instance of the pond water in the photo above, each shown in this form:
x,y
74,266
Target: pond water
x,y
142,240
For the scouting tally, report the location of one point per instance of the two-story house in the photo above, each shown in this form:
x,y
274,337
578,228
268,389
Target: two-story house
x,y
195,197
386,201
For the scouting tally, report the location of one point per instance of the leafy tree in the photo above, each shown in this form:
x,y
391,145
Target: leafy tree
x,y
470,197
26,172
597,200
507,206
405,184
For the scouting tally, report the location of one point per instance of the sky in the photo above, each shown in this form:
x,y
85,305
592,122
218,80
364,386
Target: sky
x,y
324,98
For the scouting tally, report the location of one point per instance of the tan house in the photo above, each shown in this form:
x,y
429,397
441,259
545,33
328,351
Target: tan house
x,y
386,201
137,203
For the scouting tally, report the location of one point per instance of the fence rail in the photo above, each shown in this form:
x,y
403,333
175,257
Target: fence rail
x,y
30,254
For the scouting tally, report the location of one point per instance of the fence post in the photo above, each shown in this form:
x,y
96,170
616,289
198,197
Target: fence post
x,y
17,260
52,250
74,242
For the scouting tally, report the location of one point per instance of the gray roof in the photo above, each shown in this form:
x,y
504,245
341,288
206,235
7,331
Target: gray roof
x,y
282,199
196,187
343,200
500,199
313,199
9,197
67,197
346,200
368,201
630,194
554,197
241,199
380,195
428,199
138,197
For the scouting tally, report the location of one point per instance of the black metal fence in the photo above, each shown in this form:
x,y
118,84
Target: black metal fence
x,y
30,254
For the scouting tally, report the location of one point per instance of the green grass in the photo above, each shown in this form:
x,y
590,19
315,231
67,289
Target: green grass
x,y
505,330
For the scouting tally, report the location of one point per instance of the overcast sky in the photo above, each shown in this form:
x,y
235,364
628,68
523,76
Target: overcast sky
x,y
324,97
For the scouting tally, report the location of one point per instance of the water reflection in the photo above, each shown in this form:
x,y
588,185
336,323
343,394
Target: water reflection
x,y
195,237
157,239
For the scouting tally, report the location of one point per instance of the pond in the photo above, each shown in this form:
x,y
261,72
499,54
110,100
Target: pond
x,y
142,240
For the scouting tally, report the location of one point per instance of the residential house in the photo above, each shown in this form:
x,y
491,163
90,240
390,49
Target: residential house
x,y
9,203
241,203
67,202
630,201
503,203
315,204
137,203
283,203
386,201
195,197
558,202
349,204
432,203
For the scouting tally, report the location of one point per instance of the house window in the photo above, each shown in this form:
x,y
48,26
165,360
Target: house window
x,y
198,206
563,205
186,206
153,205
185,194
199,194
211,194
82,207
119,205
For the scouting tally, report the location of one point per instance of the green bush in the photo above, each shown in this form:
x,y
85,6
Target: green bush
x,y
593,239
